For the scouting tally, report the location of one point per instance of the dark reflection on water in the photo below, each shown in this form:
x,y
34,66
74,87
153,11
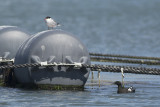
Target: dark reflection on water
x,y
108,26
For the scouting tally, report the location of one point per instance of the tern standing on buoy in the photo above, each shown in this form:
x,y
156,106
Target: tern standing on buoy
x,y
51,23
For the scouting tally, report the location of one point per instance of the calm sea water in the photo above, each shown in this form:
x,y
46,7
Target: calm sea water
x,y
129,27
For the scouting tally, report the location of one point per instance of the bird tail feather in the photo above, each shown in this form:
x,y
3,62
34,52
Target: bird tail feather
x,y
58,24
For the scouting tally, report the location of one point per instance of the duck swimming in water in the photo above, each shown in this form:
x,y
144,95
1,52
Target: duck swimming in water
x,y
122,89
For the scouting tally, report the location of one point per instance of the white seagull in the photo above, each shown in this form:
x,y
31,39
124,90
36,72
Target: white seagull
x,y
51,23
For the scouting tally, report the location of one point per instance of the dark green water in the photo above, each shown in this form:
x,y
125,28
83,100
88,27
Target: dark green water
x,y
129,27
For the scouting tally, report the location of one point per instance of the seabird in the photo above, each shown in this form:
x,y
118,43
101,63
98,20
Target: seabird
x,y
122,89
51,23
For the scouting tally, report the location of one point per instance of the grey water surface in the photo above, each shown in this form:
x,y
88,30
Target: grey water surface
x,y
130,27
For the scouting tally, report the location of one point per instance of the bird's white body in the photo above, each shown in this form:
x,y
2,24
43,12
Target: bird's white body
x,y
51,23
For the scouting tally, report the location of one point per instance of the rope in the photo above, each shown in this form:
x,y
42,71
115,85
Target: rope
x,y
78,65
97,67
119,60
125,56
20,66
126,69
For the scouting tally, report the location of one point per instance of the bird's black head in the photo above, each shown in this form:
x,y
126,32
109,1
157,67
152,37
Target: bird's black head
x,y
118,83
47,17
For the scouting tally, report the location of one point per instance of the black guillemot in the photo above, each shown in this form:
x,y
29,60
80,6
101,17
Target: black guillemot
x,y
122,89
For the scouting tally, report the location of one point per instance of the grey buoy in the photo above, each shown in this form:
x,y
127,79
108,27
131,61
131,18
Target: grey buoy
x,y
11,37
52,46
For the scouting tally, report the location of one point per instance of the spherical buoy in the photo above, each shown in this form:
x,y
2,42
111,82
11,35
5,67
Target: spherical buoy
x,y
52,46
11,37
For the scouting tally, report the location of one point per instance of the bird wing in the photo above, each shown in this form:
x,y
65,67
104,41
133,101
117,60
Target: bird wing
x,y
53,21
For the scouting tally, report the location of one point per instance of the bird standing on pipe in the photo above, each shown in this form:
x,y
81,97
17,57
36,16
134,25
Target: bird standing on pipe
x,y
51,23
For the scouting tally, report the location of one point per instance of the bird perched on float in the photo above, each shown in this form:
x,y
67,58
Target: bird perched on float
x,y
122,89
51,23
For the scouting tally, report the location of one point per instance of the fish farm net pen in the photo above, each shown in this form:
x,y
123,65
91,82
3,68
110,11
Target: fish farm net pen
x,y
93,67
